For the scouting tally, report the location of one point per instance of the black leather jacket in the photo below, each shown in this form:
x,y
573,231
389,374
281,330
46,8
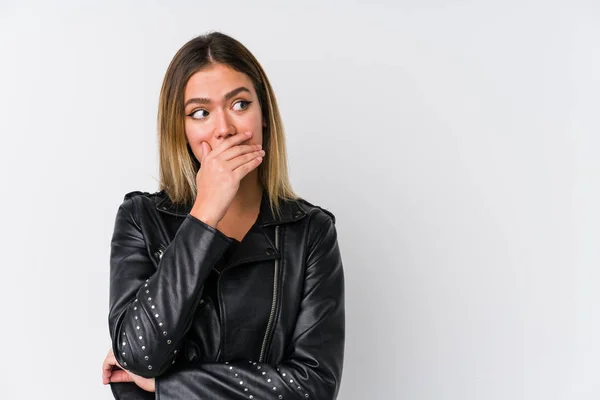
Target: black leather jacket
x,y
277,330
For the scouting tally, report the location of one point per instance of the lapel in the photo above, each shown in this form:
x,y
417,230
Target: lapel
x,y
259,242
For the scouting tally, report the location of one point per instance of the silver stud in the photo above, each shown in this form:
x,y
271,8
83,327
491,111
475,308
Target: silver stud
x,y
253,363
143,347
135,317
123,333
291,381
134,308
269,380
149,366
306,395
160,324
146,284
274,388
264,372
136,300
230,367
245,389
175,352
251,396
146,357
173,362
283,374
137,327
165,333
149,298
280,396
299,388
156,315
124,343
140,338
168,341
258,367
123,353
124,364
241,382
236,375
152,307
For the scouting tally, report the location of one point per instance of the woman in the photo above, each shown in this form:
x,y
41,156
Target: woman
x,y
224,284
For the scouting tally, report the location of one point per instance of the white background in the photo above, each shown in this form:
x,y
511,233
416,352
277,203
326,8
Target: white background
x,y
456,143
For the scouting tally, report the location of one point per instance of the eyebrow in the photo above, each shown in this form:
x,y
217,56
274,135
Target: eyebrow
x,y
204,100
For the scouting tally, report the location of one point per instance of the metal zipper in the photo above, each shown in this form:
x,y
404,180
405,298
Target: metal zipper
x,y
274,303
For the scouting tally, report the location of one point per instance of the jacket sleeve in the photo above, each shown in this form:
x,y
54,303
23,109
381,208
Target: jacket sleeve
x,y
313,367
151,307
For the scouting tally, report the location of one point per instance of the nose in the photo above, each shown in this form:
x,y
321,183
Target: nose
x,y
223,126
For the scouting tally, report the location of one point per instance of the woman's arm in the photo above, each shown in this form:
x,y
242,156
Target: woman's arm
x,y
313,368
151,309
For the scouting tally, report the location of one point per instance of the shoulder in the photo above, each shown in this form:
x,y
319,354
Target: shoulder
x,y
136,198
317,212
148,195
321,225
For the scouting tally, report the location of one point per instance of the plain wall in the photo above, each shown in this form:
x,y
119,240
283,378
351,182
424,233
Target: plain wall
x,y
456,143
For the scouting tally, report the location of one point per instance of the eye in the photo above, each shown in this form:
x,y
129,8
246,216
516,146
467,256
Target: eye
x,y
247,103
243,105
196,114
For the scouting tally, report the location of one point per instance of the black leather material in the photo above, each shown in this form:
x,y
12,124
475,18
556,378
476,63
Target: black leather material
x,y
205,342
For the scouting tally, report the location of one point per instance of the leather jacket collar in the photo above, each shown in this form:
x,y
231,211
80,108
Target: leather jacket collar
x,y
259,242
289,210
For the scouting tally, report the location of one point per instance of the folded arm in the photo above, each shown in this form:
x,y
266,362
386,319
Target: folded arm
x,y
151,308
313,367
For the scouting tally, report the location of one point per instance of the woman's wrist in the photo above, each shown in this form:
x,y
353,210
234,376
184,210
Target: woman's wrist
x,y
199,214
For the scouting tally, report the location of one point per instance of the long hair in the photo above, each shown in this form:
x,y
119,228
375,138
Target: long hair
x,y
177,163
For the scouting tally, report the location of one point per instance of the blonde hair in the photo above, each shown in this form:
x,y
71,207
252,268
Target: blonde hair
x,y
177,164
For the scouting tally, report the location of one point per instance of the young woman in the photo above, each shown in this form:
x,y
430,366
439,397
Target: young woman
x,y
223,284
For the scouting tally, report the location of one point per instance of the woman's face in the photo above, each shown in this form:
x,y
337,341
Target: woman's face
x,y
220,102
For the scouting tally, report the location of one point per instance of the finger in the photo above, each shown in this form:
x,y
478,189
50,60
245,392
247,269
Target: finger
x,y
243,159
106,374
238,150
243,170
206,150
232,141
109,362
120,376
108,366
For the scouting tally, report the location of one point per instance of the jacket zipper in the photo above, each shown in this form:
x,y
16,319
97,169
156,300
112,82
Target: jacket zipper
x,y
274,302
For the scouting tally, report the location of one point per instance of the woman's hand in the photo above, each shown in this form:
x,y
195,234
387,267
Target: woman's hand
x,y
220,173
110,374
